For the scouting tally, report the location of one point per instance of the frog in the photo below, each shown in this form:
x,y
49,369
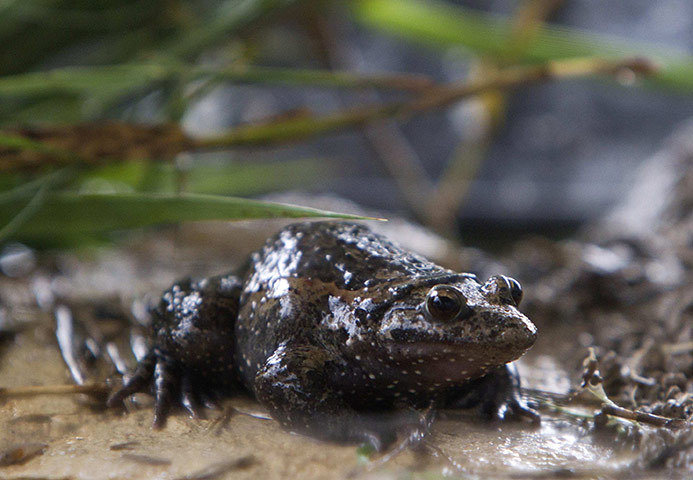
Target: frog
x,y
332,328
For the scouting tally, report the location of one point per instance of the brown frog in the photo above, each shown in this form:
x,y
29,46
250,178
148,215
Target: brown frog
x,y
329,324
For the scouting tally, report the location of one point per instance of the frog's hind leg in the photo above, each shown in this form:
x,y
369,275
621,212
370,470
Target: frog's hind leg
x,y
156,373
192,358
167,384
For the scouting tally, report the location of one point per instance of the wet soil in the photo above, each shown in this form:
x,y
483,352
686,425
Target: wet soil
x,y
621,289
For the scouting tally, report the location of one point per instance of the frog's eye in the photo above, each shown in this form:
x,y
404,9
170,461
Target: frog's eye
x,y
515,290
444,303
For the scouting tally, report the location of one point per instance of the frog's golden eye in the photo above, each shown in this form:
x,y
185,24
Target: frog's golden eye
x,y
445,303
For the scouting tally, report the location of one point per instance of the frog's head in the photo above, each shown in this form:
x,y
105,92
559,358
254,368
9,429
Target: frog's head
x,y
456,327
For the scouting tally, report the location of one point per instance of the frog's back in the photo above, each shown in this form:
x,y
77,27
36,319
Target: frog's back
x,y
348,255
291,279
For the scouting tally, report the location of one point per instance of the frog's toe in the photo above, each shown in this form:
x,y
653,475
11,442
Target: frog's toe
x,y
379,441
517,409
166,383
210,399
172,384
419,430
190,399
138,382
411,427
510,409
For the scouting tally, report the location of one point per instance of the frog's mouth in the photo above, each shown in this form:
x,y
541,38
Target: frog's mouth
x,y
447,362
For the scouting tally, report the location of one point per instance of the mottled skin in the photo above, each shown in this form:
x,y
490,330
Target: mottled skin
x,y
330,322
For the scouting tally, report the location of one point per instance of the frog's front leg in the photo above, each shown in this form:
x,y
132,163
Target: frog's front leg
x,y
295,385
497,395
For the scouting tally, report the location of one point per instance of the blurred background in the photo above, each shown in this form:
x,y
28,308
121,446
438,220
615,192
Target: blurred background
x,y
484,121
248,97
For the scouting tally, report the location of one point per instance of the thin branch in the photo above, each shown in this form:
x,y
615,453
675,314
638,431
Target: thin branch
x,y
94,144
643,417
295,129
321,78
19,141
35,390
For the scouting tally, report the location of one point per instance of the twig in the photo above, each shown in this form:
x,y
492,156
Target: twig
x,y
102,143
88,144
36,390
592,382
677,348
643,417
438,97
216,470
20,142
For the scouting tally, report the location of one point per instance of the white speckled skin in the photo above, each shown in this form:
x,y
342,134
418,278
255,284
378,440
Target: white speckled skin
x,y
331,321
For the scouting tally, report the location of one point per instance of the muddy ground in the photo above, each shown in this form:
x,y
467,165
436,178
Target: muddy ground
x,y
621,289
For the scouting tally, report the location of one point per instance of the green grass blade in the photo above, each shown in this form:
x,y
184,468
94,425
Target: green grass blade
x,y
24,214
112,79
67,214
83,80
34,194
20,142
52,180
242,178
228,18
14,142
434,23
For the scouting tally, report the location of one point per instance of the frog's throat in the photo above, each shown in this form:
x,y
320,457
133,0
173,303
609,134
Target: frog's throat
x,y
454,362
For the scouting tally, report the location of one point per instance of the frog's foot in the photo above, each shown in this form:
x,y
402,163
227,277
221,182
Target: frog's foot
x,y
161,376
512,407
412,428
497,396
387,431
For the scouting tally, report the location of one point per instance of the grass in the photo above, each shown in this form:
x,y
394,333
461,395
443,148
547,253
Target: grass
x,y
75,63
54,217
437,24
